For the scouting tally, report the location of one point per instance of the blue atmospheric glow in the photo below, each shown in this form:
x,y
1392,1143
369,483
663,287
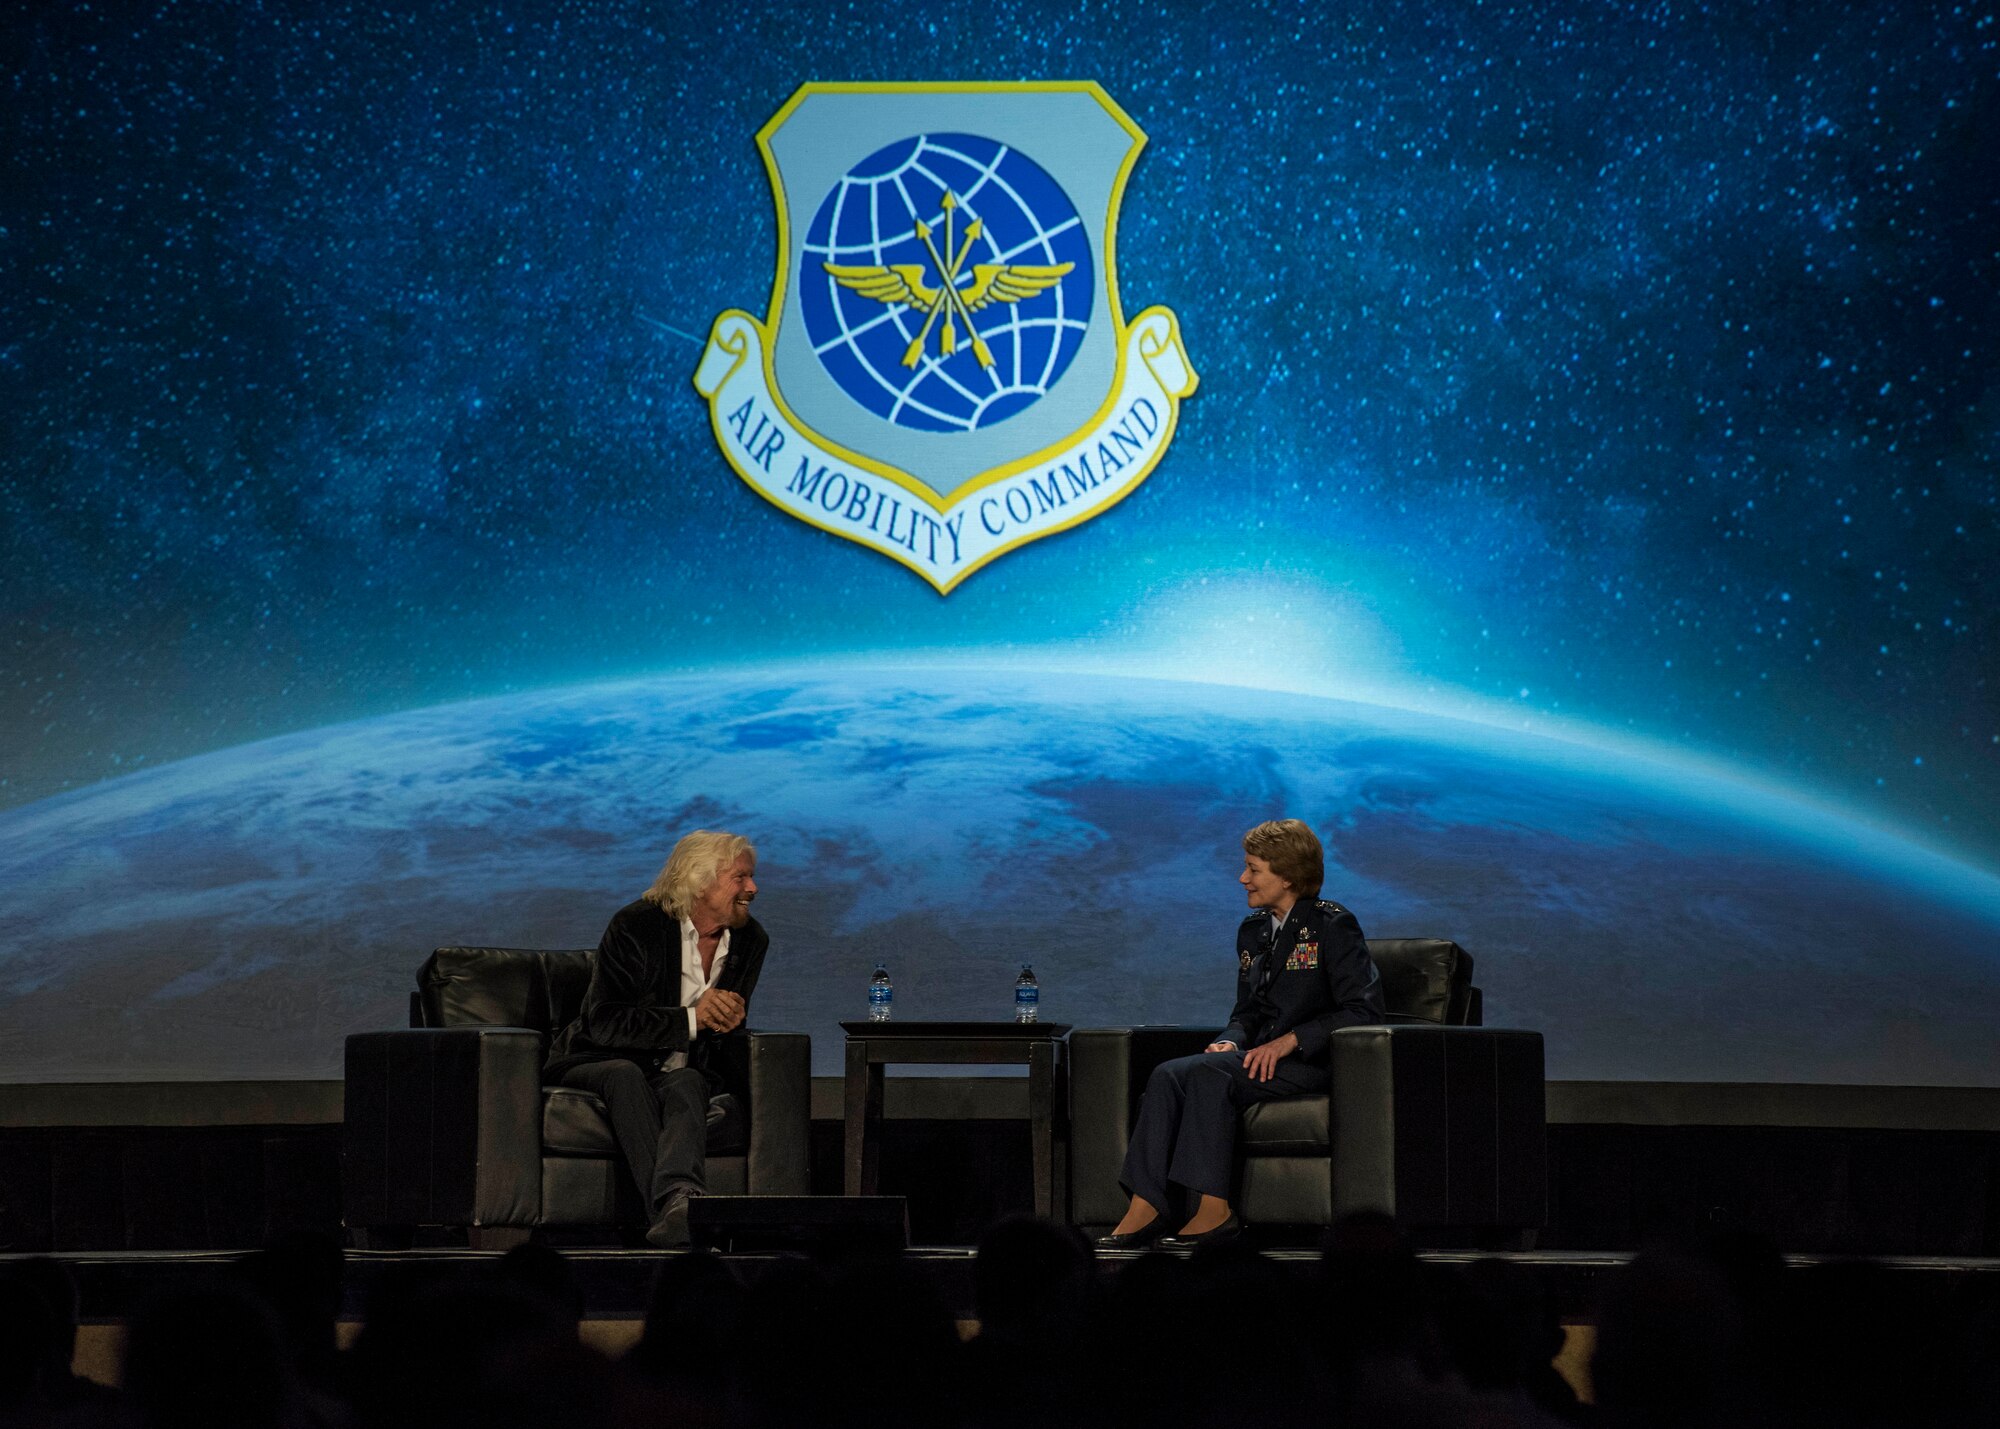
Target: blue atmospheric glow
x,y
963,821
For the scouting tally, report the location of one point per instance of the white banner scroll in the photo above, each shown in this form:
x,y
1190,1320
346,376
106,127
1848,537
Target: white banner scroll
x,y
879,506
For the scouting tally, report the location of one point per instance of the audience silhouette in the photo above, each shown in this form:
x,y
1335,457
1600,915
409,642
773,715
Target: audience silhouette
x,y
1712,1333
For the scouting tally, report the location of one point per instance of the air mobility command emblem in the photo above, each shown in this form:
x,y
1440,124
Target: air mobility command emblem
x,y
946,373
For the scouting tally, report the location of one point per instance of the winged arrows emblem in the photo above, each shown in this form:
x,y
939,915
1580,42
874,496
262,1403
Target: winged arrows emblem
x,y
904,284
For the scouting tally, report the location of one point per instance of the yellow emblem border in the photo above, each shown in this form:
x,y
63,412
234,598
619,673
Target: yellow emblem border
x,y
938,502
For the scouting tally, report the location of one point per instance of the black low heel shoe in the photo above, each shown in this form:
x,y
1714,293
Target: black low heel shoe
x,y
1229,1230
1134,1240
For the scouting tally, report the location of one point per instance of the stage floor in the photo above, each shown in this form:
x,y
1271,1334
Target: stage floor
x,y
616,1283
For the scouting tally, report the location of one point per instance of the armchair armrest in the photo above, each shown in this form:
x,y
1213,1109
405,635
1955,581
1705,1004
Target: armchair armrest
x,y
780,1114
1108,1068
443,1126
1440,1126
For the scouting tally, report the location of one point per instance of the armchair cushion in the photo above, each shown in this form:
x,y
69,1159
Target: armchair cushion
x,y
1424,980
1291,1126
502,987
574,1123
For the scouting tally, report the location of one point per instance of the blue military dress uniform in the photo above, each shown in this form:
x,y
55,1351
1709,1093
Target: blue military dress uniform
x,y
1311,977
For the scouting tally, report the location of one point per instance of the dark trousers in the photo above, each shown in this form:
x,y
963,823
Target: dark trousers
x,y
661,1121
1186,1134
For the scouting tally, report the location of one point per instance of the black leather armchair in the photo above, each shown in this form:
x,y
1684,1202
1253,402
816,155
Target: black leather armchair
x,y
448,1123
1432,1118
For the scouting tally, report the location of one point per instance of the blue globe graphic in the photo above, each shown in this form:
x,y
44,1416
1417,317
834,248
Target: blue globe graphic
x,y
985,205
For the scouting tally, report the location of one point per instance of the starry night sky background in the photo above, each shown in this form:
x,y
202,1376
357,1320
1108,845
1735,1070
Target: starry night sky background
x,y
1628,365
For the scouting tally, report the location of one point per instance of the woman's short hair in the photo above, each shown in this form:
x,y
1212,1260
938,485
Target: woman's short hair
x,y
693,866
1292,850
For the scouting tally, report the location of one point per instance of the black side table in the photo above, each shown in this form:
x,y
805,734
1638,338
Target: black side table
x,y
871,1046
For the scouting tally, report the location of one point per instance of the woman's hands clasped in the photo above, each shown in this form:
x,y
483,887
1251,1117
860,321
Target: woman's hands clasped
x,y
1262,1062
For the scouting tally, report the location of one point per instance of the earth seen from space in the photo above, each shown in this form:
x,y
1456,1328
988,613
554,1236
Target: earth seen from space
x,y
237,914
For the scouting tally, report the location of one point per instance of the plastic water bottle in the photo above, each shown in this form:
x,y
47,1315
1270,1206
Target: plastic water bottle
x,y
881,994
1027,995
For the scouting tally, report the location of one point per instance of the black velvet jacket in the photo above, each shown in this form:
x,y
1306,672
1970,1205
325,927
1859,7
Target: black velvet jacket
x,y
632,1008
1315,977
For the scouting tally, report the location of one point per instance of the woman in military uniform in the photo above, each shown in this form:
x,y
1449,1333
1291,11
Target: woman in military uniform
x,y
1303,970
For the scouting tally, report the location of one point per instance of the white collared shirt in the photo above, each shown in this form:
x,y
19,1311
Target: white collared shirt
x,y
693,984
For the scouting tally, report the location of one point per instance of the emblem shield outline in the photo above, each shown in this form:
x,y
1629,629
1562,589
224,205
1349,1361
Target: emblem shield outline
x,y
1151,340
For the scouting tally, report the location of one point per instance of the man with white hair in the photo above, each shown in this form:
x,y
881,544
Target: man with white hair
x,y
660,1038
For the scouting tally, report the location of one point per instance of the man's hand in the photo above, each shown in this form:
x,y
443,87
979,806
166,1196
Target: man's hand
x,y
1262,1062
718,1010
1220,1047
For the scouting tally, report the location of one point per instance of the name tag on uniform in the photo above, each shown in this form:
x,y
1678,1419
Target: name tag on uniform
x,y
1304,959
